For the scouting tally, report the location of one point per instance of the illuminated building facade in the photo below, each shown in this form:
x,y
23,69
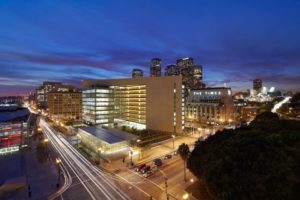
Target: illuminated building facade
x,y
42,93
171,70
97,105
10,137
16,100
191,74
137,73
111,141
154,103
213,106
13,128
185,62
197,76
155,67
65,102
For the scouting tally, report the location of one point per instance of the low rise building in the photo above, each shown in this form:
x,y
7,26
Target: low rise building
x,y
108,142
210,106
13,129
42,93
65,102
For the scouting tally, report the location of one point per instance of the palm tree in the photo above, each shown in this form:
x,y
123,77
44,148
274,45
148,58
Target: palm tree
x,y
184,151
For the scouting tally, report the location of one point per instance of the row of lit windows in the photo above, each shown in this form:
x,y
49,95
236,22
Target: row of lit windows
x,y
210,92
97,91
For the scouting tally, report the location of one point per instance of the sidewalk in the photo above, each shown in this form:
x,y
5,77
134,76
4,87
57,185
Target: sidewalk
x,y
41,178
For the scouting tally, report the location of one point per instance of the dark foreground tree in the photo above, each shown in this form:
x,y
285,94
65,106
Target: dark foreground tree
x,y
184,151
251,162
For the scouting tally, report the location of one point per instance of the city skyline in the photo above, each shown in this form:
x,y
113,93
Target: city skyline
x,y
71,41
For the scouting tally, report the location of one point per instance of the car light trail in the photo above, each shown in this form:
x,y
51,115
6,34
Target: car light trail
x,y
93,180
67,183
279,104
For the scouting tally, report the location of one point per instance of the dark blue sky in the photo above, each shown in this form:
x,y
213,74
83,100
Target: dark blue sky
x,y
71,40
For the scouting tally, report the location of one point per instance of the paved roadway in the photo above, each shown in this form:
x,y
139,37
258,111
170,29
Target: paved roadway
x,y
279,104
155,184
89,182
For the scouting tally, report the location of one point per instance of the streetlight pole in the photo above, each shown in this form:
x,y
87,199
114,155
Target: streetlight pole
x,y
138,146
47,150
58,162
99,154
166,183
131,153
173,137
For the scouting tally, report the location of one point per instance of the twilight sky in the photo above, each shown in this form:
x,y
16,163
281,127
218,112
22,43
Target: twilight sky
x,y
72,40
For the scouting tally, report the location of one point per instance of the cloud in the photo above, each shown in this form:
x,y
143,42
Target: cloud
x,y
71,41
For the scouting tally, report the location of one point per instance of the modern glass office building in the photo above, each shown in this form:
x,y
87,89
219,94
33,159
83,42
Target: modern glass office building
x,y
155,67
154,103
98,105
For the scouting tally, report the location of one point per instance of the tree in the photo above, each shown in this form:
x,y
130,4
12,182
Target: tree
x,y
260,161
184,151
295,100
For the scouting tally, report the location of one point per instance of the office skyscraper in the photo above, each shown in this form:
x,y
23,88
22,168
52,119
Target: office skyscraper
x,y
155,67
137,73
171,70
257,85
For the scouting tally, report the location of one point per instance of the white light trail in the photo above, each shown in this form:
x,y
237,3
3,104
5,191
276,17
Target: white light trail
x,y
98,186
279,104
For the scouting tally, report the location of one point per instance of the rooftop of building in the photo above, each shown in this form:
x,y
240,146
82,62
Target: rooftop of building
x,y
109,135
212,88
18,114
129,81
65,89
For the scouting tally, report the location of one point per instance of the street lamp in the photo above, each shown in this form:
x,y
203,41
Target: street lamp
x,y
166,183
45,141
99,153
185,196
58,161
131,153
140,149
173,136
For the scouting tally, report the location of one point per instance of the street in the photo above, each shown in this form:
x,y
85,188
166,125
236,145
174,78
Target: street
x,y
155,184
94,183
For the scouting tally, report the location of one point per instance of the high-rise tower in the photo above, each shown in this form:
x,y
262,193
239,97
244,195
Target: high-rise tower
x,y
171,70
155,67
257,85
137,73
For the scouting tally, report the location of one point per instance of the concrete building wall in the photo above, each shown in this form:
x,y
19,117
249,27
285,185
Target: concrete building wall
x,y
163,99
210,106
